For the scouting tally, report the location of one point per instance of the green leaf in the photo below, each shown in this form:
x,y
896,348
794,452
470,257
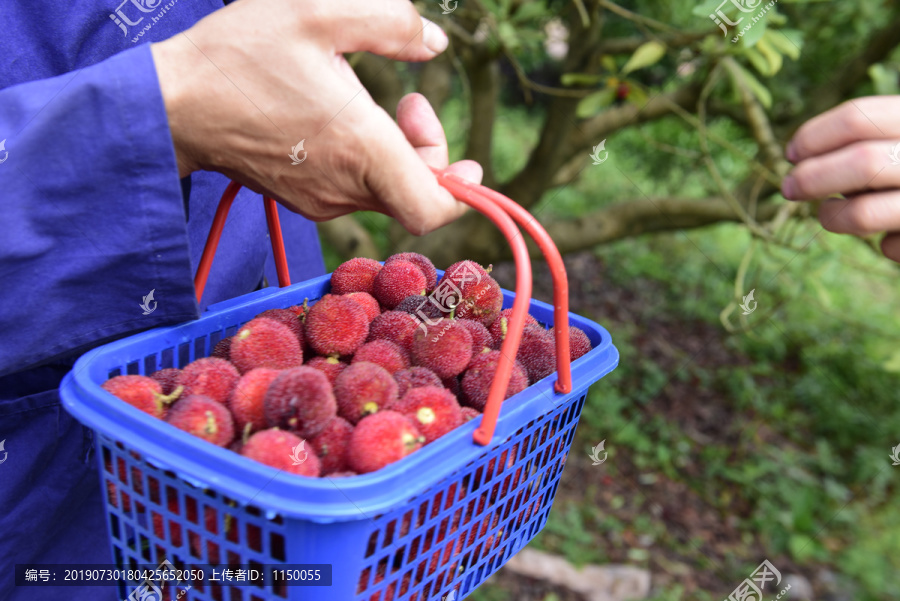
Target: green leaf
x,y
580,79
530,11
884,79
637,96
508,35
758,61
773,57
759,90
704,9
756,33
596,102
647,54
609,63
788,41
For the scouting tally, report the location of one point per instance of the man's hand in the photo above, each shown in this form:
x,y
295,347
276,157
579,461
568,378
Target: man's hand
x,y
847,150
249,82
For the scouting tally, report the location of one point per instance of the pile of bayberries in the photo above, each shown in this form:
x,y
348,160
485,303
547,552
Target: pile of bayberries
x,y
391,360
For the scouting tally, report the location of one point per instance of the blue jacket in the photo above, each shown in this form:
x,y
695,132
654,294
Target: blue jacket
x,y
93,218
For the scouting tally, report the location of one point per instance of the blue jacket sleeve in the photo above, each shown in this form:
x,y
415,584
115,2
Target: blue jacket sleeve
x,y
92,212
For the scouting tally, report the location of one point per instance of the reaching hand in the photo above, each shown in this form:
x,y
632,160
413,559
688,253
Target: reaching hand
x,y
249,82
848,150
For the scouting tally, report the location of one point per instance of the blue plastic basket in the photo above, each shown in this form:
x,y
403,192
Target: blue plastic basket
x,y
443,519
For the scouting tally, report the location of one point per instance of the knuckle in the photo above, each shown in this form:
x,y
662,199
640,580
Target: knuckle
x,y
859,217
868,161
851,118
805,177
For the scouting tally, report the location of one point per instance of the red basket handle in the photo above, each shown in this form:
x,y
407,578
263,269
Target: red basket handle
x,y
551,254
498,209
215,233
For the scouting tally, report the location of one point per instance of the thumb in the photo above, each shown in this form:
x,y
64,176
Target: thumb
x,y
391,28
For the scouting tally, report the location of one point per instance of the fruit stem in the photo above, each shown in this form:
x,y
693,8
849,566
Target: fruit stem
x,y
211,427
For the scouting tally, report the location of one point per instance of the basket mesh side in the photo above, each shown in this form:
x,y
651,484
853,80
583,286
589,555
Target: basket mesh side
x,y
453,537
154,516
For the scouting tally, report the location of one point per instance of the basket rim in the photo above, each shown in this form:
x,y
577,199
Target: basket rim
x,y
323,500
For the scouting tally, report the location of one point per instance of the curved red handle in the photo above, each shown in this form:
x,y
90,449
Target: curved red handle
x,y
504,213
557,271
215,233
510,347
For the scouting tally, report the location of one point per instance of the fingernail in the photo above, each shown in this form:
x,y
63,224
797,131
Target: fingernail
x,y
791,153
789,188
434,37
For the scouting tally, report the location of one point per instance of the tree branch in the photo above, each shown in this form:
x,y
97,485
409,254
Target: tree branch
x,y
484,78
546,157
643,217
630,44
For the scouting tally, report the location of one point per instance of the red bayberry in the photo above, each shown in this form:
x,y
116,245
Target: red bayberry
x,y
396,281
331,445
284,451
445,348
336,325
362,389
433,409
301,400
167,378
537,352
414,377
330,366
367,302
246,402
222,350
477,381
381,439
470,413
204,418
579,343
264,342
423,263
481,337
384,353
501,325
210,376
396,326
355,275
142,393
